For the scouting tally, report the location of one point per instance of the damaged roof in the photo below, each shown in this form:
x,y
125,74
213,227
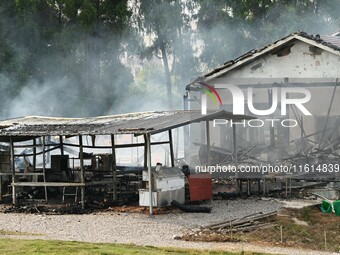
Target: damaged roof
x,y
327,42
132,123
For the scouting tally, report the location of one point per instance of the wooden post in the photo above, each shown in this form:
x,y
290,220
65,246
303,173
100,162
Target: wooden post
x,y
235,155
2,158
186,131
44,166
0,181
14,195
145,152
48,153
114,169
61,143
248,187
148,145
203,132
264,185
176,143
1,164
207,129
172,155
34,154
82,176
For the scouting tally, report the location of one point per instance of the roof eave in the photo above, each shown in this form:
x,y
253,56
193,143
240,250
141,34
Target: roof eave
x,y
268,49
317,44
255,56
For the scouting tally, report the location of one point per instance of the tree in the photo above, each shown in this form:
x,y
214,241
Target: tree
x,y
165,25
229,28
67,51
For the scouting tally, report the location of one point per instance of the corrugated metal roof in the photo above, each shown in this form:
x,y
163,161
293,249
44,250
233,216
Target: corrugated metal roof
x,y
330,41
132,123
333,40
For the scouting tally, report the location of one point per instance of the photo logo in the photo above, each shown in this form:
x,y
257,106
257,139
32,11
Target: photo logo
x,y
280,96
211,91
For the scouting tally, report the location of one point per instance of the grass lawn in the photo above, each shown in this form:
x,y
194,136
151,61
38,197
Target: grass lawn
x,y
16,246
321,231
309,237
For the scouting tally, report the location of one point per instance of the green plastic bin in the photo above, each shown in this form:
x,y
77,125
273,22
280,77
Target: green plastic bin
x,y
336,206
326,206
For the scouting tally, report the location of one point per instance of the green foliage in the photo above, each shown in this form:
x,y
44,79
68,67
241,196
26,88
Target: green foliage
x,y
66,48
230,28
72,49
167,24
87,14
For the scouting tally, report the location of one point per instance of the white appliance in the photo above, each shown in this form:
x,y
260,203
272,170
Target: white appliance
x,y
168,185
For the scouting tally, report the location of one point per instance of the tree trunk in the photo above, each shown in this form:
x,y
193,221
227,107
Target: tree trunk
x,y
167,75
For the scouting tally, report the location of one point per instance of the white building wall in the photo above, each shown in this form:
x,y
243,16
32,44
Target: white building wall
x,y
304,64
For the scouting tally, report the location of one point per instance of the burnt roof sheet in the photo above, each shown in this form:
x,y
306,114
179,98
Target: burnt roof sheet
x,y
132,123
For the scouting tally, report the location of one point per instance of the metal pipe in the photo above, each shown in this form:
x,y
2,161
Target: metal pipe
x,y
117,146
286,82
148,145
39,153
272,131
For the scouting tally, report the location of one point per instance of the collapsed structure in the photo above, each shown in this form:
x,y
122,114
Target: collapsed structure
x,y
92,171
291,86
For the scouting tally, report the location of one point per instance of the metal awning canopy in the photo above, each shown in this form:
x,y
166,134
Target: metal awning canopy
x,y
142,123
132,123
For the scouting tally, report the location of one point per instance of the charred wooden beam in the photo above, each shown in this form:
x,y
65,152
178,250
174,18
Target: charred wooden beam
x,y
14,195
172,156
82,176
114,169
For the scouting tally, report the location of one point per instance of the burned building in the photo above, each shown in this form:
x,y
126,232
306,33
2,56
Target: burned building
x,y
291,87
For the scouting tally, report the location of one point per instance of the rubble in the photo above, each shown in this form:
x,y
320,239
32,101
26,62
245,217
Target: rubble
x,y
48,209
243,224
223,231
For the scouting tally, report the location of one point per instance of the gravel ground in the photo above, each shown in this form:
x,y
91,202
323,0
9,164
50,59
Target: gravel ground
x,y
159,230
